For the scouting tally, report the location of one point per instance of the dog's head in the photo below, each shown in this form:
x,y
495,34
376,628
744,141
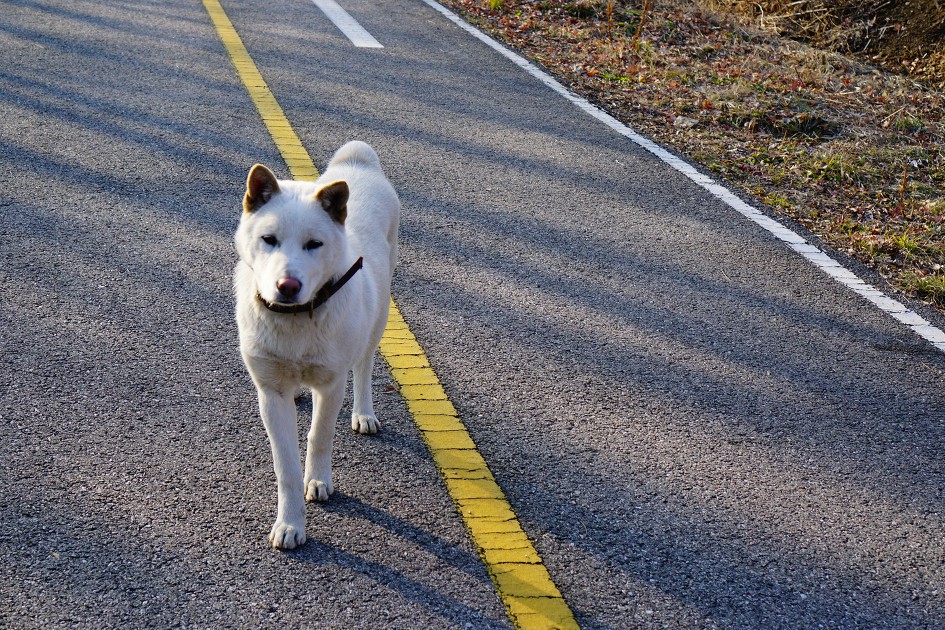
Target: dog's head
x,y
293,240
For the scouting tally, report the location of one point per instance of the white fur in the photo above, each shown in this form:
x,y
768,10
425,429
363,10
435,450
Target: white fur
x,y
285,351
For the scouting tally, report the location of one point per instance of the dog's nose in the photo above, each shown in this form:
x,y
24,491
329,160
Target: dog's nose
x,y
289,287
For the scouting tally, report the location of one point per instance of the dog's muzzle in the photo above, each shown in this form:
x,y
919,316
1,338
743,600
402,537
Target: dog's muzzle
x,y
321,296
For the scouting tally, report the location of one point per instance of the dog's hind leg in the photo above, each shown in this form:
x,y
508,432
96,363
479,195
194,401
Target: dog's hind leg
x,y
327,403
280,418
363,419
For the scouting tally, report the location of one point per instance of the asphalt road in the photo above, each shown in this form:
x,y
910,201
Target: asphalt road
x,y
695,426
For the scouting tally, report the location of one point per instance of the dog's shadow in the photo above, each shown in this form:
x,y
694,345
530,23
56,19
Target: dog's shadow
x,y
353,508
320,552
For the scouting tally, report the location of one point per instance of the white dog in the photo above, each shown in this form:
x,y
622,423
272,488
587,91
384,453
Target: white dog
x,y
308,313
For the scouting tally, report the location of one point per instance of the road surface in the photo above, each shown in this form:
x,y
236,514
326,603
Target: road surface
x,y
694,425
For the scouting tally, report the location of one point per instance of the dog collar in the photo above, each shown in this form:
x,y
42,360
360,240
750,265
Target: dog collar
x,y
330,288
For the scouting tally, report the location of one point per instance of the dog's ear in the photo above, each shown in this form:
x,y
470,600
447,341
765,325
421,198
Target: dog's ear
x,y
334,199
261,185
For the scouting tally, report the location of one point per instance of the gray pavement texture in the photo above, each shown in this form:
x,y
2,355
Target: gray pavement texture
x,y
696,427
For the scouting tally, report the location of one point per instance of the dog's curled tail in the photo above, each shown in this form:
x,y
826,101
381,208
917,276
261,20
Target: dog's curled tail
x,y
356,152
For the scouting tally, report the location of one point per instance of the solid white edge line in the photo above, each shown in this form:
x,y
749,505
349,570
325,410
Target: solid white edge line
x,y
347,24
825,263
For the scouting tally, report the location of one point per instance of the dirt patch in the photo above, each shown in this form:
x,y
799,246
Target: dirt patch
x,y
849,150
900,36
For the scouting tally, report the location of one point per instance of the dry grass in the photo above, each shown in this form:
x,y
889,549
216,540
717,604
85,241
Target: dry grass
x,y
904,36
850,151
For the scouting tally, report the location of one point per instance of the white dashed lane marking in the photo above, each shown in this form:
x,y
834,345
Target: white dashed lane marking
x,y
347,24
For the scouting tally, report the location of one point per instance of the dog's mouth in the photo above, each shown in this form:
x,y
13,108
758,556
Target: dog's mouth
x,y
285,306
277,298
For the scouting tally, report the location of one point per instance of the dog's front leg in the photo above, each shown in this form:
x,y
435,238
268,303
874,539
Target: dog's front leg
x,y
328,401
281,421
363,419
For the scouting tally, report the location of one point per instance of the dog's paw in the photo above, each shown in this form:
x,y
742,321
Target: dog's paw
x,y
285,536
316,490
365,424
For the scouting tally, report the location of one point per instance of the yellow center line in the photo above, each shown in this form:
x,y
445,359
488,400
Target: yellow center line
x,y
296,157
521,579
523,583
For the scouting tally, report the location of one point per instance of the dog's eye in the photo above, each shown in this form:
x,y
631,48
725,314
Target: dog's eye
x,y
313,245
270,240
